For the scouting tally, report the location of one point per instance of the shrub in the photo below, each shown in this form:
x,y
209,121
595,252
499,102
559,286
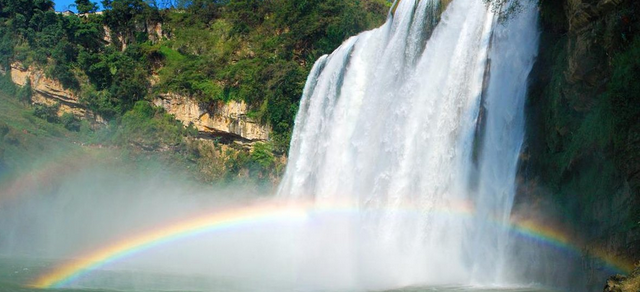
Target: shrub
x,y
47,112
4,129
262,154
24,93
13,137
150,127
103,103
70,122
6,85
62,73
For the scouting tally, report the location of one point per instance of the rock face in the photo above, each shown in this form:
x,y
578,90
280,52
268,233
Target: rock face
x,y
49,91
225,120
581,156
584,12
584,64
153,29
619,283
228,121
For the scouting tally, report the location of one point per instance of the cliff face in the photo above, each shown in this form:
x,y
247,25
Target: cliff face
x,y
152,29
583,131
581,13
227,121
49,91
620,283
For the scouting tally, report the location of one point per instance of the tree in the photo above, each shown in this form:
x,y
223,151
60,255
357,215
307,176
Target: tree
x,y
47,112
70,122
86,6
124,17
24,93
247,14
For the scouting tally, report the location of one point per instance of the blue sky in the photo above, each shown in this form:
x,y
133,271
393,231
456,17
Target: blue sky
x,y
62,5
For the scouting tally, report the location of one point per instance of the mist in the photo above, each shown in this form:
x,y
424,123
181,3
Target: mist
x,y
53,217
422,197
78,212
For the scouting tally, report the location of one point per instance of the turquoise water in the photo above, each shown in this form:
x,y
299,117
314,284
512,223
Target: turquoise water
x,y
467,289
15,274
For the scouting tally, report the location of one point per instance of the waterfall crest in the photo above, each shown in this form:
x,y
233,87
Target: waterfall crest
x,y
424,113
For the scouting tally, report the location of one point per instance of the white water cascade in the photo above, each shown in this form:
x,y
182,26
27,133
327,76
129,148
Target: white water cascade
x,y
416,127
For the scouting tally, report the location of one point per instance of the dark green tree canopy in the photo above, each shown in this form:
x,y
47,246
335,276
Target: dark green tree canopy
x,y
86,6
256,51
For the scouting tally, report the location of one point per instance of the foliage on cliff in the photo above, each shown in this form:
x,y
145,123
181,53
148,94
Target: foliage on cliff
x,y
116,61
258,51
584,134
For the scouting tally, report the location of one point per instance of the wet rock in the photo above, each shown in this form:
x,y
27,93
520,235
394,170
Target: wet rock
x,y
620,283
614,283
581,13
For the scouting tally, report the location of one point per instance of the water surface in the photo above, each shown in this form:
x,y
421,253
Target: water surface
x,y
15,274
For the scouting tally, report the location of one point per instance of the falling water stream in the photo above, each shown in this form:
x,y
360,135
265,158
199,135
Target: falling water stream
x,y
427,112
407,141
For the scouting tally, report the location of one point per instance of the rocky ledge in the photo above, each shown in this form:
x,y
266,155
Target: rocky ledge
x,y
227,121
619,283
49,92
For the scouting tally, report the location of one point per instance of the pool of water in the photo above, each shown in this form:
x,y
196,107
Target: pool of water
x,y
16,274
467,289
15,288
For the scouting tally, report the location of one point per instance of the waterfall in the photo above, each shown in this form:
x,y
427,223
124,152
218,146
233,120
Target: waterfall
x,y
417,125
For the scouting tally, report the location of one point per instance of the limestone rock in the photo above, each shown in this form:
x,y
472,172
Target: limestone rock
x,y
227,120
49,91
155,32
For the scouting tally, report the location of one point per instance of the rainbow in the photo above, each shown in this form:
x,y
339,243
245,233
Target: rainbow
x,y
47,171
65,274
41,173
544,234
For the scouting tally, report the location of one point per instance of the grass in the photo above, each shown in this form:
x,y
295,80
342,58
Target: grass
x,y
28,143
28,138
146,141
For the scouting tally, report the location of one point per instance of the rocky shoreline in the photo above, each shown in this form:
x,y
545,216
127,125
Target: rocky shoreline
x,y
621,283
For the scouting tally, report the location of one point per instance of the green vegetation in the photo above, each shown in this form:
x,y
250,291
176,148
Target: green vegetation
x,y
595,134
584,136
255,51
24,93
150,128
623,93
48,113
117,61
70,122
25,139
86,6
